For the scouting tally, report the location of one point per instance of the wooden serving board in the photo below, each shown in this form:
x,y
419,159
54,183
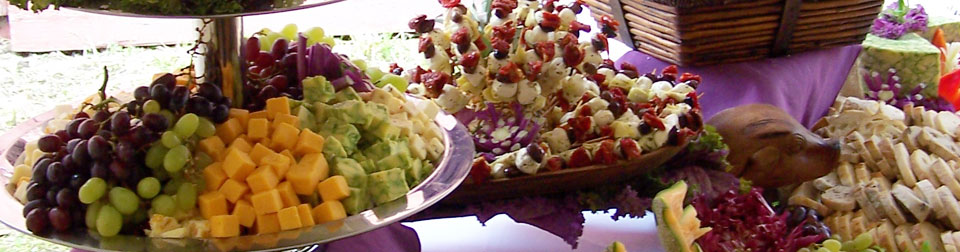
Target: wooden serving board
x,y
566,180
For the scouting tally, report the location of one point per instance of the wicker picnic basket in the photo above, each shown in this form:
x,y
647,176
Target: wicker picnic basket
x,y
706,32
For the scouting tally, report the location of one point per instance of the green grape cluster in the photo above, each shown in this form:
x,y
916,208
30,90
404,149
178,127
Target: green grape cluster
x,y
862,243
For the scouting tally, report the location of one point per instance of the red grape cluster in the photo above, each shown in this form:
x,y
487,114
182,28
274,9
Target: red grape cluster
x,y
208,101
270,73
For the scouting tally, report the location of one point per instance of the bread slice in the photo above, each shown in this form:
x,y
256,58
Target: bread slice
x,y
926,232
926,191
886,236
902,235
951,206
947,239
861,173
870,210
843,227
881,198
911,136
918,208
920,161
839,198
903,165
846,175
827,181
946,176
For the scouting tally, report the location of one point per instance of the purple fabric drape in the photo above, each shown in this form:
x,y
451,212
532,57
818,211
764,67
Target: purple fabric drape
x,y
805,85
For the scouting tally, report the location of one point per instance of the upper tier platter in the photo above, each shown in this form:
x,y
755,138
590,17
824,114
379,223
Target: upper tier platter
x,y
284,6
450,172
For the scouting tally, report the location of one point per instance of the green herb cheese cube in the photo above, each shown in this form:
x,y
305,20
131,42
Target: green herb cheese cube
x,y
386,186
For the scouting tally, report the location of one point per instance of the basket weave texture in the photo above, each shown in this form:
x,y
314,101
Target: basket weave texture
x,y
707,32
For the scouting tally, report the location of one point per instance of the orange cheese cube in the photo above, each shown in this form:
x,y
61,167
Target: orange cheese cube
x,y
333,188
259,114
265,141
289,155
284,137
244,211
289,218
225,244
214,176
242,115
267,223
258,128
212,204
329,211
277,105
279,163
307,173
286,118
308,142
266,202
229,130
224,226
287,195
262,179
213,146
237,164
233,190
259,151
306,217
241,144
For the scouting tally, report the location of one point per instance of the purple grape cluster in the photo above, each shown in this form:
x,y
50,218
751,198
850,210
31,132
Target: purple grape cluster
x,y
270,73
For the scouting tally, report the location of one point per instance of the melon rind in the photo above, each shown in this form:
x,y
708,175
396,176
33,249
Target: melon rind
x,y
677,227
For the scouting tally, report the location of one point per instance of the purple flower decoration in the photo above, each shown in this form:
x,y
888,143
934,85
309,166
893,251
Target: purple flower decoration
x,y
916,19
898,19
887,28
887,88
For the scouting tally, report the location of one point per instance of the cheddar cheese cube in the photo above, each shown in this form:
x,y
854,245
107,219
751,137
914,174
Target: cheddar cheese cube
x,y
285,118
266,202
245,213
328,211
241,144
277,105
214,176
267,223
259,114
262,179
258,128
237,165
289,218
224,226
284,137
233,190
308,142
307,173
213,146
259,151
333,188
265,141
306,217
212,204
229,130
242,115
289,155
279,163
287,195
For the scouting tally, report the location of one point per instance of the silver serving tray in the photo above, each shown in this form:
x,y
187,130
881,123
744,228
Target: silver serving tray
x,y
450,172
284,7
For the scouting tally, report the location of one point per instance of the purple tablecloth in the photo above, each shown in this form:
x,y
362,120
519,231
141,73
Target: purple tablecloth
x,y
805,85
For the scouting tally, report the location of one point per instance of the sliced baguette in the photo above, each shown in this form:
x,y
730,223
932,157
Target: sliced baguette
x,y
926,232
951,206
946,176
903,165
920,162
918,208
902,235
827,181
845,174
928,193
886,236
839,198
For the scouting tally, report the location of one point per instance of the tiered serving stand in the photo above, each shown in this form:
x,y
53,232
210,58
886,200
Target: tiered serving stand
x,y
221,37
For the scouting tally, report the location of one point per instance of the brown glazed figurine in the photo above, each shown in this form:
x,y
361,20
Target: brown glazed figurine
x,y
772,149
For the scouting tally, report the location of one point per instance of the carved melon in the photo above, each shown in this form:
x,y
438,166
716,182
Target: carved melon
x,y
678,227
